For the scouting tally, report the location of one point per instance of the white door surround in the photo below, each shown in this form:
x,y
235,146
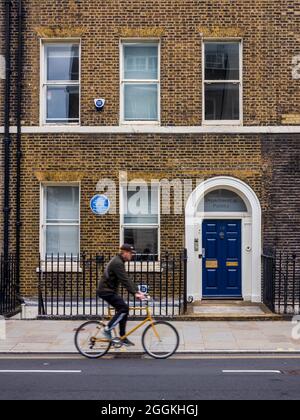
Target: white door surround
x,y
251,236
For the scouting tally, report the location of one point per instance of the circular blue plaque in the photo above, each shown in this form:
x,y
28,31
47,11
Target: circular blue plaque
x,y
100,204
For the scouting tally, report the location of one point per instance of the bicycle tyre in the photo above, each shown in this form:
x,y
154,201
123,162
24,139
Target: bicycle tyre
x,y
174,347
96,355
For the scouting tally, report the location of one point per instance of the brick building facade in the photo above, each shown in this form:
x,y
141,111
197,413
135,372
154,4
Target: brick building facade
x,y
254,153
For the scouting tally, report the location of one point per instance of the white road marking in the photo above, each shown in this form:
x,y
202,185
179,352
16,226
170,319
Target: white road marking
x,y
253,371
40,371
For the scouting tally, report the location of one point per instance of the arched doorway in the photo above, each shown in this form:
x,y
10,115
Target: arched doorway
x,y
223,239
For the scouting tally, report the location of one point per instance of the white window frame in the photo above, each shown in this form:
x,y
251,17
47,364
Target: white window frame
x,y
140,42
124,225
43,224
44,83
240,83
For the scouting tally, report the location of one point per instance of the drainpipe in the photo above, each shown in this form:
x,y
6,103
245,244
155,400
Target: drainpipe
x,y
7,139
19,60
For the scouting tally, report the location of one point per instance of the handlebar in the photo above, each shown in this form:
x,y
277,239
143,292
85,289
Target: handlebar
x,y
146,298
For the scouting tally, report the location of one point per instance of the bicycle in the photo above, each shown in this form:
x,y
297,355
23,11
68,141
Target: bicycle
x,y
160,339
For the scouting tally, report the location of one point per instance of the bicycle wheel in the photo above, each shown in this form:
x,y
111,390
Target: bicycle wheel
x,y
160,340
86,340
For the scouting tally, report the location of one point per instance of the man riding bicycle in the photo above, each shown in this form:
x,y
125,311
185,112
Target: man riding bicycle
x,y
114,276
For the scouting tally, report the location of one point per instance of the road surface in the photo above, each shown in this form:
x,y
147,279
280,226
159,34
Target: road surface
x,y
204,378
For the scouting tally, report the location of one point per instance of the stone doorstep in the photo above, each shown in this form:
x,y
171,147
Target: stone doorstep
x,y
229,318
235,305
216,310
222,302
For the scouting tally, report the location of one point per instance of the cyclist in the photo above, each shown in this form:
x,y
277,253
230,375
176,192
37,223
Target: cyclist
x,y
114,275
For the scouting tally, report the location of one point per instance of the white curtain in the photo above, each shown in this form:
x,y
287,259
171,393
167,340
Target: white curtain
x,y
62,213
141,102
140,99
141,206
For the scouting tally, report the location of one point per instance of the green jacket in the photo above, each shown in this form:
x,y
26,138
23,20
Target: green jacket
x,y
114,276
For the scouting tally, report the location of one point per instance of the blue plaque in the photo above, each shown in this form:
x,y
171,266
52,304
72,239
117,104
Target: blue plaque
x,y
100,204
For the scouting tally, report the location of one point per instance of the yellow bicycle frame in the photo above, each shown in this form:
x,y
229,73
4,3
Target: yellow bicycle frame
x,y
148,318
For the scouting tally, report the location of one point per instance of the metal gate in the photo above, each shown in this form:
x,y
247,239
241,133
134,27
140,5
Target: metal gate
x,y
9,303
281,280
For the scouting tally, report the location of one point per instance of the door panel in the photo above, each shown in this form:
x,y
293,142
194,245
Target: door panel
x,y
222,271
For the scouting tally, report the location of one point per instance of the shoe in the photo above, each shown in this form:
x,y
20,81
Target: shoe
x,y
127,343
107,334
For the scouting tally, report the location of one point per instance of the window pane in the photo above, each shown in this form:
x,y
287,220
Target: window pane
x,y
141,206
223,201
62,239
222,101
62,204
63,104
62,62
145,241
222,61
140,62
141,102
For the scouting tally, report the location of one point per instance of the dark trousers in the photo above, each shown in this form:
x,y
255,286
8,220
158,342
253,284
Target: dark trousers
x,y
122,311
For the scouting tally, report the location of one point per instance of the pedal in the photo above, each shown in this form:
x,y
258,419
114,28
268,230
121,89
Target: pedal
x,y
117,343
92,344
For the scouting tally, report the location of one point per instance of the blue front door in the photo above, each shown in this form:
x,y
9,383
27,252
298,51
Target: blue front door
x,y
222,271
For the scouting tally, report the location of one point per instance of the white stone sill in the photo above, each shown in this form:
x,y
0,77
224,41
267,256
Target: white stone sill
x,y
148,129
133,267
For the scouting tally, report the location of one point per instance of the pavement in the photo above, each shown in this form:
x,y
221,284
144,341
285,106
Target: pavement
x,y
57,337
107,380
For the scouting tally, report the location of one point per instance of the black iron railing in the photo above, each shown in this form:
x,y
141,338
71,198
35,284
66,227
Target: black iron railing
x,y
268,264
281,282
9,302
68,284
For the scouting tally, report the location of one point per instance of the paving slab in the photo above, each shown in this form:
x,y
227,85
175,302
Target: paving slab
x,y
58,337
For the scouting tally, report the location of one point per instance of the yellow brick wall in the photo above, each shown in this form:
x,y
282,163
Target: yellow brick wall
x,y
269,29
269,164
